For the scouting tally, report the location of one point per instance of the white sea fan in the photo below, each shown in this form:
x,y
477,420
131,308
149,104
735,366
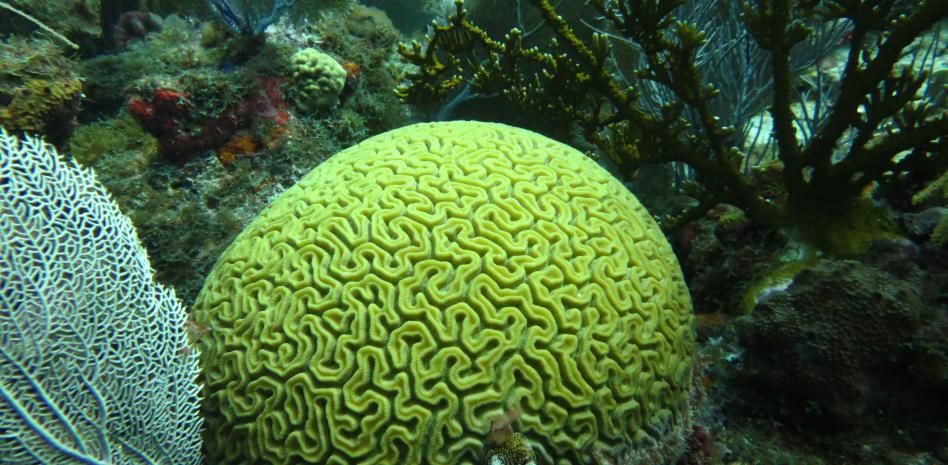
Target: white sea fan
x,y
95,366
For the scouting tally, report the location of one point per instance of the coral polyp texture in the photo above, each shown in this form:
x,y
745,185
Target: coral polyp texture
x,y
318,80
433,284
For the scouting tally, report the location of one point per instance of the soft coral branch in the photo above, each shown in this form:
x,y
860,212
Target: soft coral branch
x,y
574,82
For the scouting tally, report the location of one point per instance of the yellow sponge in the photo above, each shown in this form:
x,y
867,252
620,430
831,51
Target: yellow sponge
x,y
400,301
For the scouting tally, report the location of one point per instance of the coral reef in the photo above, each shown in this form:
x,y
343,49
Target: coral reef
x,y
850,340
756,419
936,193
935,218
166,114
871,115
700,450
44,107
247,17
77,20
134,25
408,15
191,125
183,129
729,262
200,107
317,80
160,56
189,204
410,294
372,25
109,138
40,92
375,103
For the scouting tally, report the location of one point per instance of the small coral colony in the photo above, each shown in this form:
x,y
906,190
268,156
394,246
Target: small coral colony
x,y
499,232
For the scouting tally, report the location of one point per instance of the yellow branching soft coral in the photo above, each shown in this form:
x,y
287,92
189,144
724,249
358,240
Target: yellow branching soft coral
x,y
940,233
936,193
409,291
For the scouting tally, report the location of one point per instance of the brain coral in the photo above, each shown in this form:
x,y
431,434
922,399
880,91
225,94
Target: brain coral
x,y
318,80
400,301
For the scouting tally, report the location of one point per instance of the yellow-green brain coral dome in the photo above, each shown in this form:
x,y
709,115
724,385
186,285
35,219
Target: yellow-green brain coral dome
x,y
397,301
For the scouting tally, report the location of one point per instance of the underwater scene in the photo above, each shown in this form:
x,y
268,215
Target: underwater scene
x,y
473,232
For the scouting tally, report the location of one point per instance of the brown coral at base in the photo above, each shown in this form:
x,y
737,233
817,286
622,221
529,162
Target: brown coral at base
x,y
44,107
844,340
